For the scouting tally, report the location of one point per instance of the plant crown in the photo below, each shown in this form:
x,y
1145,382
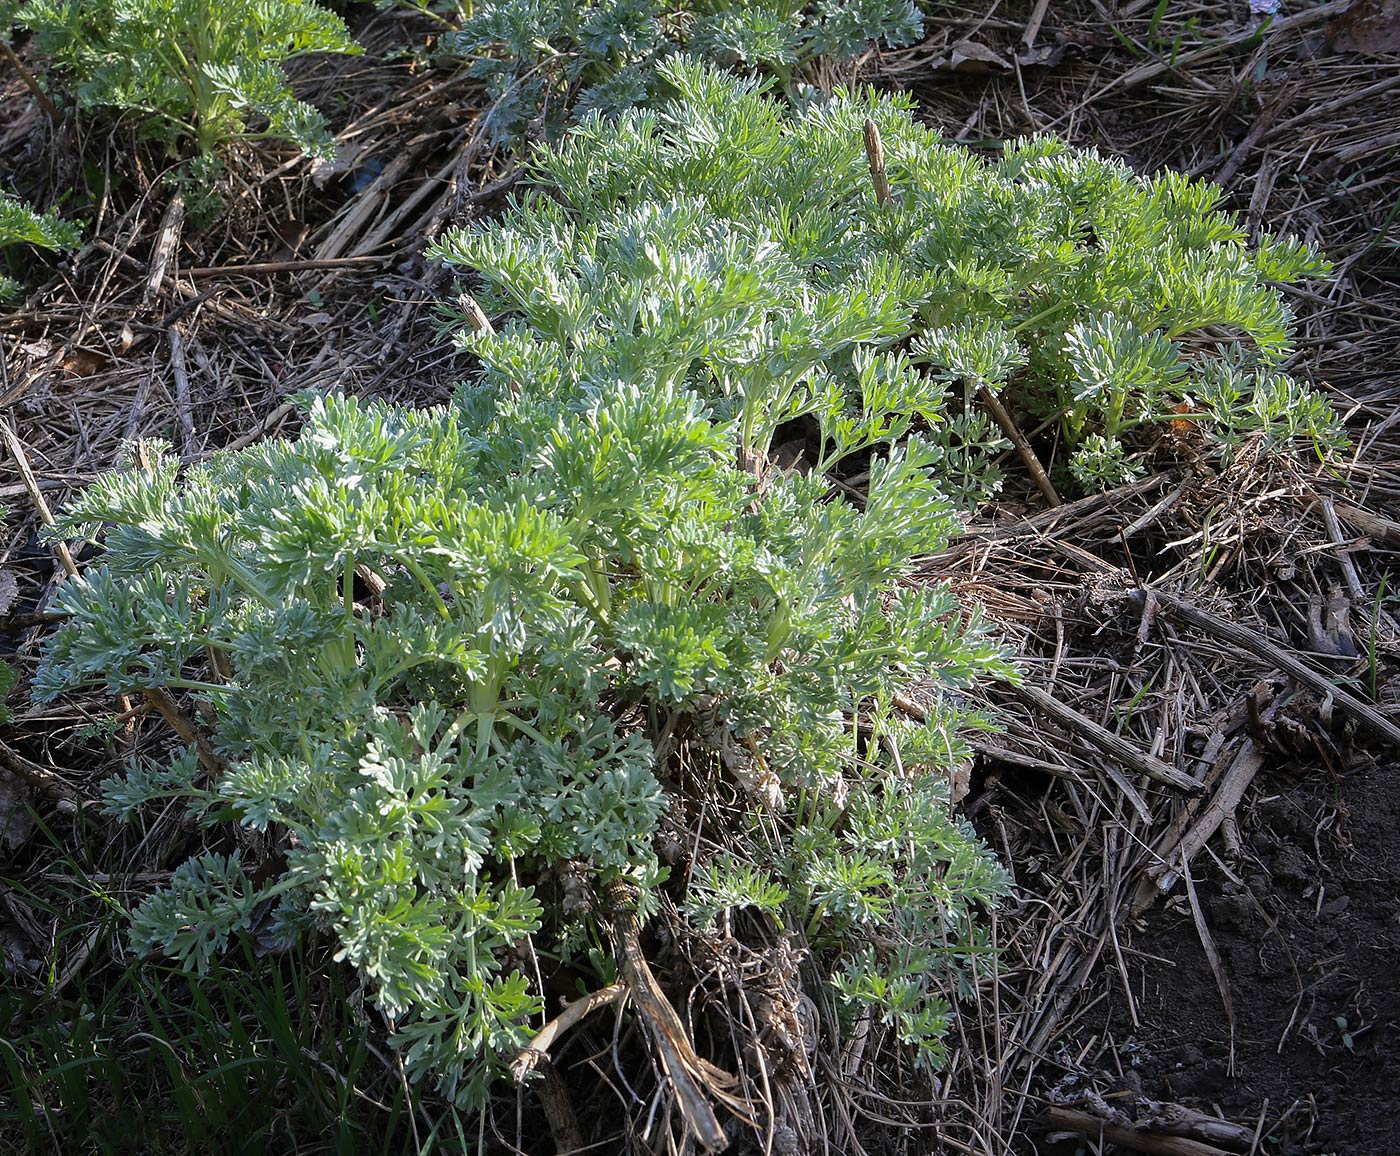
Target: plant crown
x,y
577,578
201,71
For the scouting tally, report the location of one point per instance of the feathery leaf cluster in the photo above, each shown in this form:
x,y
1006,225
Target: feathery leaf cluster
x,y
22,224
736,245
545,60
203,72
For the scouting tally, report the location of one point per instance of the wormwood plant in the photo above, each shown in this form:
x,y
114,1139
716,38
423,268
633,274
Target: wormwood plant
x,y
540,58
203,72
736,245
572,574
21,224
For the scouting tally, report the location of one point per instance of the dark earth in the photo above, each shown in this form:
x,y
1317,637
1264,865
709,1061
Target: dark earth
x,y
1309,936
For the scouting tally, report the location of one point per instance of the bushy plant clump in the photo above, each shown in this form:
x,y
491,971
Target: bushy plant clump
x,y
452,653
22,224
736,245
571,575
542,60
202,72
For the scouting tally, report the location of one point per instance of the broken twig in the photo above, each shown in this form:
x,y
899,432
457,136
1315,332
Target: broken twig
x,y
537,1050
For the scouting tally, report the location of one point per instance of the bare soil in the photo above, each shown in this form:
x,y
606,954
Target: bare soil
x,y
1307,926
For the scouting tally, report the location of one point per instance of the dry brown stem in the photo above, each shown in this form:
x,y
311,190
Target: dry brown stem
x,y
66,800
1128,1136
181,724
695,1081
263,268
22,71
558,1108
875,153
167,242
31,485
987,396
180,372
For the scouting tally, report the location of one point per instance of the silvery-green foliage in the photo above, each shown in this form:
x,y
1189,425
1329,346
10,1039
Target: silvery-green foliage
x,y
734,245
22,224
679,261
205,72
426,761
545,60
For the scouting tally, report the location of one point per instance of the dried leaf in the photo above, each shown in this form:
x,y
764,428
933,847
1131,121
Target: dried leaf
x,y
81,362
968,56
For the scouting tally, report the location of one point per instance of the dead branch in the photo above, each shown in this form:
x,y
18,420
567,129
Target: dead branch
x,y
1180,844
31,484
182,393
22,71
559,1110
66,800
260,268
1141,1139
1373,525
189,733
